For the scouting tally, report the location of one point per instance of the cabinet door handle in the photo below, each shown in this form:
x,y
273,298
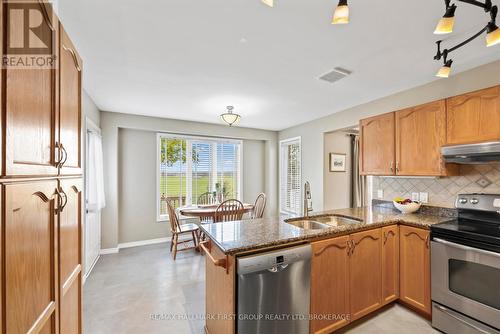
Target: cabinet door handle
x,y
64,197
391,166
397,166
353,247
385,237
348,248
65,155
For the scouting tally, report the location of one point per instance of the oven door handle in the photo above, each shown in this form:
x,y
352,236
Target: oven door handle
x,y
463,321
465,248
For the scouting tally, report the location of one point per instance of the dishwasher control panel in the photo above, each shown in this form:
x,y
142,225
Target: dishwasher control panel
x,y
269,260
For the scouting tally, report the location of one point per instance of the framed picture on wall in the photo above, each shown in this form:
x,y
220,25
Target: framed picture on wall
x,y
337,162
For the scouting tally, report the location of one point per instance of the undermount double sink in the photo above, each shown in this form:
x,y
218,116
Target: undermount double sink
x,y
322,222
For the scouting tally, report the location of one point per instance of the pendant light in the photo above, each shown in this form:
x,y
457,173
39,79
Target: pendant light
x,y
493,36
229,117
444,72
341,15
270,3
445,25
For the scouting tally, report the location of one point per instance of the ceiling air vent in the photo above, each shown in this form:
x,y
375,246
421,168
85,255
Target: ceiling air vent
x,y
335,75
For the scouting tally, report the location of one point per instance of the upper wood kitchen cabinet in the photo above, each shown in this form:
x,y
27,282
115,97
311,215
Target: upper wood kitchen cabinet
x,y
474,117
420,133
69,134
30,106
330,284
415,287
390,263
365,274
377,145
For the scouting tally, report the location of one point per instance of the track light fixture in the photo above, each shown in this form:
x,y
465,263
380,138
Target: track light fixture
x,y
491,29
341,15
445,25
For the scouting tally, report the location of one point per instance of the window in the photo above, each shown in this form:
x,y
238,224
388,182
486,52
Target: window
x,y
290,176
196,169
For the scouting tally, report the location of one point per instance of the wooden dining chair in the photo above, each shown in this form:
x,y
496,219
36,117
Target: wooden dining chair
x,y
179,230
206,198
259,206
229,210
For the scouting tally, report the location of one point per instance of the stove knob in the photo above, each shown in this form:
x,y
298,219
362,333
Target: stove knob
x,y
462,200
474,201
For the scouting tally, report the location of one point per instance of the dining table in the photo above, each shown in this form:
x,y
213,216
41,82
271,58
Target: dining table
x,y
207,212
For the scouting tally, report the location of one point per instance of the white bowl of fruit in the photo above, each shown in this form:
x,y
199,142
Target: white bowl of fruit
x,y
406,205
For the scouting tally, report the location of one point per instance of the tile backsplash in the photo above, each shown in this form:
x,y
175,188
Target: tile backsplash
x,y
442,191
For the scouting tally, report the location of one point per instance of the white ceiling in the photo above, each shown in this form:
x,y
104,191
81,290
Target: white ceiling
x,y
188,59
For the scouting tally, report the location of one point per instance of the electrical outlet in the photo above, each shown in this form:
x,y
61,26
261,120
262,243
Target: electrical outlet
x,y
424,197
414,197
380,194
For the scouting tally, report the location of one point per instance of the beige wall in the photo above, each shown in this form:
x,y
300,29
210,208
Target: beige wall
x,y
137,183
337,185
312,132
130,211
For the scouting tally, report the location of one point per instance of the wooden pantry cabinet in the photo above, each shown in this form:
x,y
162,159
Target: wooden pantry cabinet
x,y
474,117
414,268
390,263
41,210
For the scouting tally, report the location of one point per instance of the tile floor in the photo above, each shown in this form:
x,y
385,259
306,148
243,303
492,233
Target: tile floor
x,y
141,290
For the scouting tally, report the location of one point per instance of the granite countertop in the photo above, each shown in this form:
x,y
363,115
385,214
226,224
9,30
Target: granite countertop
x,y
245,235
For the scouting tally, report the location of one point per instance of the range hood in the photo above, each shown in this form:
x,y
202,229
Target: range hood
x,y
481,153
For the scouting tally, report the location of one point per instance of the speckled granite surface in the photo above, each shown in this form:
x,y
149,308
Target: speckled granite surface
x,y
246,235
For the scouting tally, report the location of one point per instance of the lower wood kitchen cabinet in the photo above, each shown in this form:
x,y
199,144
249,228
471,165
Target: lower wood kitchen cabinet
x,y
70,256
365,274
390,263
329,284
414,268
30,257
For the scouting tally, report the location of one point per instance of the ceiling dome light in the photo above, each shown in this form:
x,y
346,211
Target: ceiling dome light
x,y
445,25
270,3
230,118
493,36
341,15
444,72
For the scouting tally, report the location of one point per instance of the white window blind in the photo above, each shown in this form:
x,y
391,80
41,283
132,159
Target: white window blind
x,y
290,176
192,169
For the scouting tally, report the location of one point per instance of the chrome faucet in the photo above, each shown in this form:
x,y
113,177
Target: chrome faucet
x,y
307,199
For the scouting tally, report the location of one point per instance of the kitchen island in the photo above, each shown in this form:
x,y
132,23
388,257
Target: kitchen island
x,y
382,253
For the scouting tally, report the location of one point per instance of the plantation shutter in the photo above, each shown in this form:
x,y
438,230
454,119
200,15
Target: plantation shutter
x,y
290,176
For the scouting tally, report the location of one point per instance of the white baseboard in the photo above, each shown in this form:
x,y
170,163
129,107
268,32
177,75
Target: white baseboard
x,y
134,244
109,251
87,274
143,243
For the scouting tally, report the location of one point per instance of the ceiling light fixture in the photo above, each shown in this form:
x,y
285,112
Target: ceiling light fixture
x,y
341,15
446,23
491,29
229,117
270,3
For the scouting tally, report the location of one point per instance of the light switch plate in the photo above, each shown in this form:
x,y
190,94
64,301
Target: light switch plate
x,y
380,193
496,203
414,197
424,197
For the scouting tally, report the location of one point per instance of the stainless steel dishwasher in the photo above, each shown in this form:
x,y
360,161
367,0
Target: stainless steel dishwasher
x,y
273,292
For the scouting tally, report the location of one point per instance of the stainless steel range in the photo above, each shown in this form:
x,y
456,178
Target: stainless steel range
x,y
465,267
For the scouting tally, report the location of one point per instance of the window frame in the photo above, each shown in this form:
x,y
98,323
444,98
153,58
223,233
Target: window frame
x,y
297,139
219,140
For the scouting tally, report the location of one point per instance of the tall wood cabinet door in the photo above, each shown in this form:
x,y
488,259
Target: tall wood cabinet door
x,y
390,263
329,285
30,284
420,133
415,288
30,102
365,276
474,117
70,256
70,71
377,145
